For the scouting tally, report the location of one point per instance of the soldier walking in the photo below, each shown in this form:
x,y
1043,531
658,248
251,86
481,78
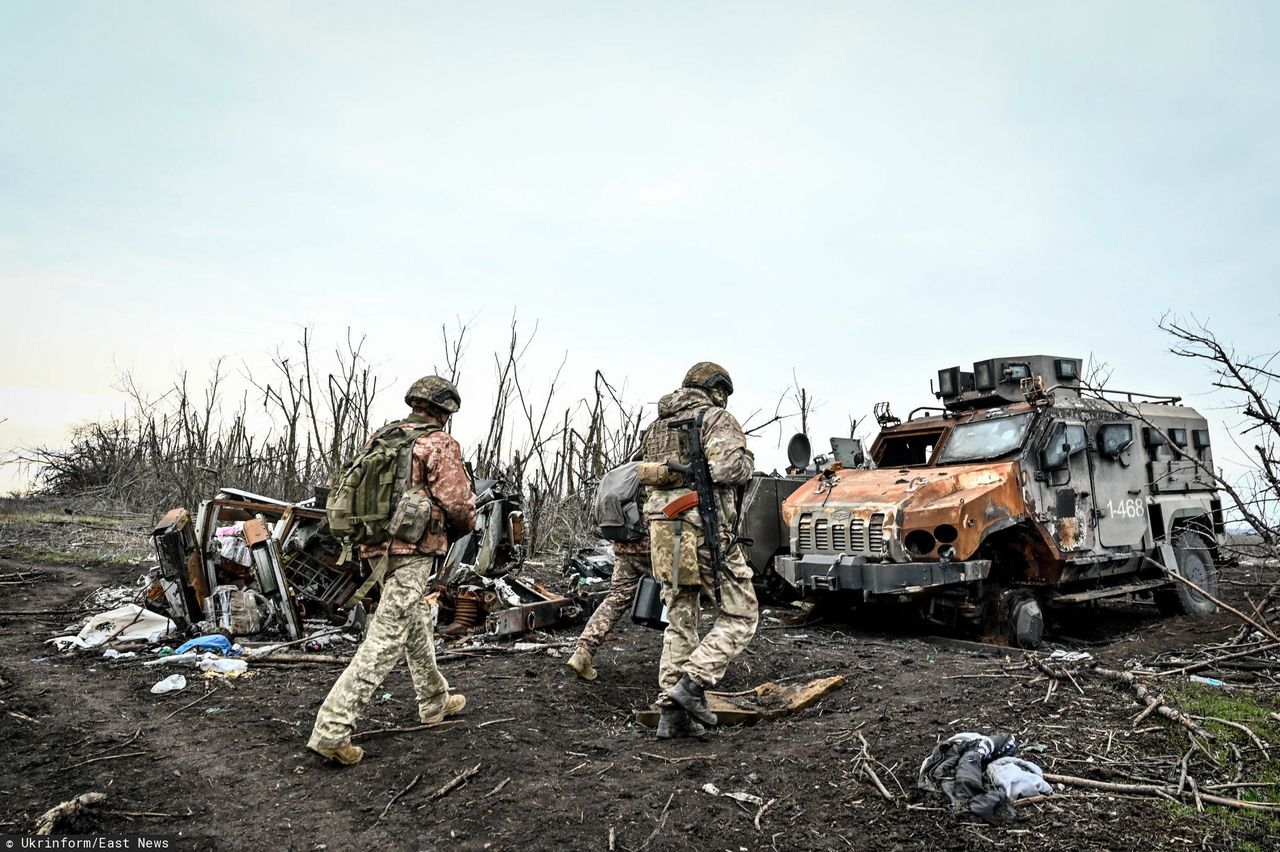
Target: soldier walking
x,y
631,563
681,559
436,484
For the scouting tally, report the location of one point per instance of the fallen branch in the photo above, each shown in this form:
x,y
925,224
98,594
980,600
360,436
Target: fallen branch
x,y
66,810
129,741
105,757
496,790
376,731
870,773
1158,790
260,654
1144,694
1262,747
291,659
1262,628
451,785
192,703
408,787
9,612
760,812
132,814
662,820
496,722
1270,646
678,759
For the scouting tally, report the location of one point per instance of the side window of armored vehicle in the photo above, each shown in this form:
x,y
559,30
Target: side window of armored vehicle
x,y
1153,439
1065,441
907,450
982,440
1114,439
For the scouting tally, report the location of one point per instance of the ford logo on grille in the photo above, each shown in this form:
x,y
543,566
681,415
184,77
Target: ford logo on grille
x,y
840,515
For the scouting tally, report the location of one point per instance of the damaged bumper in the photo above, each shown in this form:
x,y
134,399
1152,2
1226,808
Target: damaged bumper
x,y
841,572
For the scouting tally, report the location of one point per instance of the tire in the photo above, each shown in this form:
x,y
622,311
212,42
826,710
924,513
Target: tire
x,y
771,588
1195,563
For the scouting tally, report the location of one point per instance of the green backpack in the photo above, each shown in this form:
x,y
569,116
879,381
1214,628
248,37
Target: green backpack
x,y
368,488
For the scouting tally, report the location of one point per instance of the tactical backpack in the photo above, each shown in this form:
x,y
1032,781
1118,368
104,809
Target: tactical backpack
x,y
617,505
368,489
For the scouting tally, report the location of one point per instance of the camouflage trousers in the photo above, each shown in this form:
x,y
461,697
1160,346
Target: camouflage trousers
x,y
631,562
705,659
401,626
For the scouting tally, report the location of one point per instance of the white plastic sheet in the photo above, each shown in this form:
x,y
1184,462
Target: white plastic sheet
x,y
126,623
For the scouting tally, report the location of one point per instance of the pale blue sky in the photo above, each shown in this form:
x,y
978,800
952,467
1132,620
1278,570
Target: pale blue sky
x,y
863,192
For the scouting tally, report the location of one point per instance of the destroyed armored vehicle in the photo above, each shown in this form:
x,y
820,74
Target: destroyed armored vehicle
x,y
1023,491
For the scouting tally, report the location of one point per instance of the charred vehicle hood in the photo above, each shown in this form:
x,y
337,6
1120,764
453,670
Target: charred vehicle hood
x,y
906,513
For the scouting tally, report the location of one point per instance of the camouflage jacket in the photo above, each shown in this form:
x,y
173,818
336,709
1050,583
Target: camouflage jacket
x,y
437,472
723,442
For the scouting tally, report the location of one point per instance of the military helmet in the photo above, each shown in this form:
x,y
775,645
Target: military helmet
x,y
708,375
433,392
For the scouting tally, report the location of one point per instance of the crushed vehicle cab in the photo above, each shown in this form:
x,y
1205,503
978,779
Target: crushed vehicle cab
x,y
1020,492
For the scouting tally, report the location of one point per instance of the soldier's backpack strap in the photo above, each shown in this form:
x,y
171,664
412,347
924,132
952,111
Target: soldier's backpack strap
x,y
375,576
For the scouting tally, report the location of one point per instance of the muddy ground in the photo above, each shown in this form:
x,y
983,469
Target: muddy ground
x,y
561,764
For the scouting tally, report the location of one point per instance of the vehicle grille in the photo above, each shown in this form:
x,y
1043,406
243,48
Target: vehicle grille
x,y
822,534
875,543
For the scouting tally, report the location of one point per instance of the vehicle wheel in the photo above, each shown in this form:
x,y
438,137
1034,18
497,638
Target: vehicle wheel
x,y
1195,563
1022,619
771,588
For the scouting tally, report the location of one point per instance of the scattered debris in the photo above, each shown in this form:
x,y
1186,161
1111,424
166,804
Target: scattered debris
x,y
749,798
216,642
981,775
766,701
67,810
173,683
222,666
130,622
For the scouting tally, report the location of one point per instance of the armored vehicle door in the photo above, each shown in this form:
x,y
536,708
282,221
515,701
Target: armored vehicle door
x,y
1066,486
1119,484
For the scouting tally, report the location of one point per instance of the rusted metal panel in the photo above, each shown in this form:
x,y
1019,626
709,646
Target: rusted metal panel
x,y
540,608
872,512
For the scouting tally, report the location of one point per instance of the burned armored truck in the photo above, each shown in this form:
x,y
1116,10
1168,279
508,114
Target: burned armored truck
x,y
1023,491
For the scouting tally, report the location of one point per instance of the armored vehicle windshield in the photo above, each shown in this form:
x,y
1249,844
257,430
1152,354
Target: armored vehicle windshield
x,y
987,439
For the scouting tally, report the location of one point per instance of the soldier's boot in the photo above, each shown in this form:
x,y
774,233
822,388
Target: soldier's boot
x,y
580,662
345,754
691,695
674,723
452,706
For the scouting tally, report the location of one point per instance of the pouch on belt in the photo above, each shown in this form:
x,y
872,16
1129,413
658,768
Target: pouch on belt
x,y
673,548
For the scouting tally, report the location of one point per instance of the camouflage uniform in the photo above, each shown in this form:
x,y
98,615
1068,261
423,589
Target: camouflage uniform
x,y
401,624
630,564
731,465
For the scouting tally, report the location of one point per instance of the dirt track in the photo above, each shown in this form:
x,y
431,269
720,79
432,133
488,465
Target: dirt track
x,y
230,771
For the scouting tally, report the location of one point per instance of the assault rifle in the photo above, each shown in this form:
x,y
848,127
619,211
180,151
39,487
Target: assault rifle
x,y
697,475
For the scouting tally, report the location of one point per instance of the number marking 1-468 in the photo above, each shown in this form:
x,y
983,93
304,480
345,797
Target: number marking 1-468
x,y
1129,508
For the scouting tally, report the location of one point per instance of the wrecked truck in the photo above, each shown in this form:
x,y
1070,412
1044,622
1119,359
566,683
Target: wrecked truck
x,y
1023,491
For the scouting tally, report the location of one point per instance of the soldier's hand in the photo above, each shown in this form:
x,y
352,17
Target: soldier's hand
x,y
655,474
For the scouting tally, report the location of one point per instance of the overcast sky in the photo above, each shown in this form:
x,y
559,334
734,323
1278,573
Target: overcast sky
x,y
859,192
